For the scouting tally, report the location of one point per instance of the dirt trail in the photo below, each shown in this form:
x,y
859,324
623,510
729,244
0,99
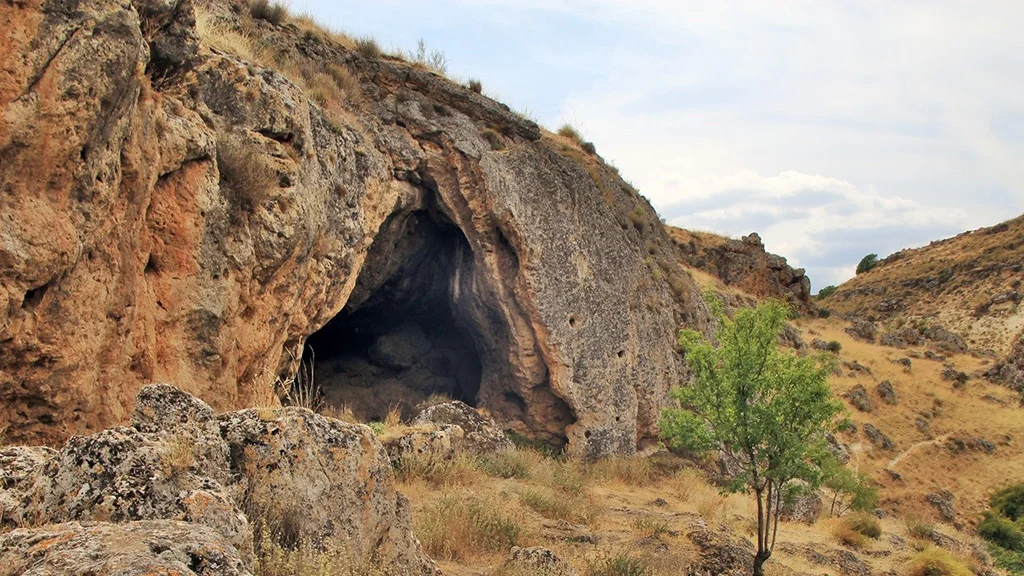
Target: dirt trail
x,y
899,457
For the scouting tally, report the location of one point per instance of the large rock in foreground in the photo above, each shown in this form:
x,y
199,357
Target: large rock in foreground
x,y
149,548
296,473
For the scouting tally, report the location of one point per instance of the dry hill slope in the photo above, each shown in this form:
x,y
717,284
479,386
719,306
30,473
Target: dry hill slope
x,y
971,284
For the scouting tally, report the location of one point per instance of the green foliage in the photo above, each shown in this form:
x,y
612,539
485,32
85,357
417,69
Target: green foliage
x,y
766,411
378,428
1002,531
1003,527
849,489
834,346
827,291
1009,502
867,263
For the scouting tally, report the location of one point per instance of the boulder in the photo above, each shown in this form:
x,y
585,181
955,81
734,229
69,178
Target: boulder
x,y
877,438
804,505
943,502
886,392
20,467
482,434
946,340
858,396
122,475
862,329
427,447
536,561
143,548
720,552
326,479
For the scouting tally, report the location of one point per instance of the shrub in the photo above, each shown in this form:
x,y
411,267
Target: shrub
x,y
273,12
570,132
936,562
824,313
475,85
827,291
512,463
589,148
178,455
621,564
918,528
1009,502
650,526
493,138
459,528
246,172
848,536
864,523
867,263
368,47
1002,532
834,346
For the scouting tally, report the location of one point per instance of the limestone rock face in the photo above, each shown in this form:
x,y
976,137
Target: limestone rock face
x,y
745,264
538,561
130,549
171,212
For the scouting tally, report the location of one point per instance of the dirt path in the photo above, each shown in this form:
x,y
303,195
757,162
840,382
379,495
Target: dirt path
x,y
899,457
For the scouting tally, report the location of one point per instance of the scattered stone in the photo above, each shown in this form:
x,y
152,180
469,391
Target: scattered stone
x,y
856,368
819,344
482,434
720,551
886,392
951,374
858,396
862,329
138,548
902,338
877,437
983,444
923,426
947,341
933,356
539,561
893,474
905,362
659,502
993,400
943,502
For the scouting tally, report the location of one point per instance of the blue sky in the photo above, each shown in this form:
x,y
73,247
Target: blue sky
x,y
833,129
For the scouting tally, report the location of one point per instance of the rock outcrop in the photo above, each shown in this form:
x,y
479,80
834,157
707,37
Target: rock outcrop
x,y
481,434
172,211
746,265
178,468
130,549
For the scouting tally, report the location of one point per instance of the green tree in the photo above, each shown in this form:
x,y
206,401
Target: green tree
x,y
766,412
850,489
867,263
827,291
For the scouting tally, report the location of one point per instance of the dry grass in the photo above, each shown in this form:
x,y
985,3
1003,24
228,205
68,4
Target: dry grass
x,y
304,557
464,527
513,463
273,12
556,505
857,529
246,172
618,564
936,562
475,85
459,471
368,47
649,525
178,454
224,37
627,470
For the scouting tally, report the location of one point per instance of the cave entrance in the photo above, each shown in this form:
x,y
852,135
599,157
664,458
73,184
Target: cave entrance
x,y
401,338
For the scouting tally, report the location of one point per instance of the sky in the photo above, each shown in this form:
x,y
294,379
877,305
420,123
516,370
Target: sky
x,y
833,129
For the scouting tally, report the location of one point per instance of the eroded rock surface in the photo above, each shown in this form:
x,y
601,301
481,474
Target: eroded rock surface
x,y
174,213
745,264
140,548
482,434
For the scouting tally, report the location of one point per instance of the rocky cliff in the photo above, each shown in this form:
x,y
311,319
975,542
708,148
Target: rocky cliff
x,y
193,200
745,265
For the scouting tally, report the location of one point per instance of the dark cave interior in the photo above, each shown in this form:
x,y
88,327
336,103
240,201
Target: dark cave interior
x,y
401,339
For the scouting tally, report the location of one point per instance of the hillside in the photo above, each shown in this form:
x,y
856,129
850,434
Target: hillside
x,y
971,284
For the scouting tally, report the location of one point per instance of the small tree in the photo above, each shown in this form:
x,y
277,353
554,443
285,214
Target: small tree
x,y
849,489
765,411
827,291
867,263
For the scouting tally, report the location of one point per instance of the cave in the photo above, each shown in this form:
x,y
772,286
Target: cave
x,y
402,338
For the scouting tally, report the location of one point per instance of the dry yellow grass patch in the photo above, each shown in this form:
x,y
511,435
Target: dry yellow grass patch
x,y
465,527
178,455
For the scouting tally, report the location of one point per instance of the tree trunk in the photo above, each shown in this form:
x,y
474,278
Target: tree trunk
x,y
759,561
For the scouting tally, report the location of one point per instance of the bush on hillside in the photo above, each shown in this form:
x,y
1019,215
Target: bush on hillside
x,y
273,12
475,85
867,263
827,291
1009,502
1003,527
936,562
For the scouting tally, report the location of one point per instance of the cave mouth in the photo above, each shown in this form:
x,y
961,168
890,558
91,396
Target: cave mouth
x,y
401,339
